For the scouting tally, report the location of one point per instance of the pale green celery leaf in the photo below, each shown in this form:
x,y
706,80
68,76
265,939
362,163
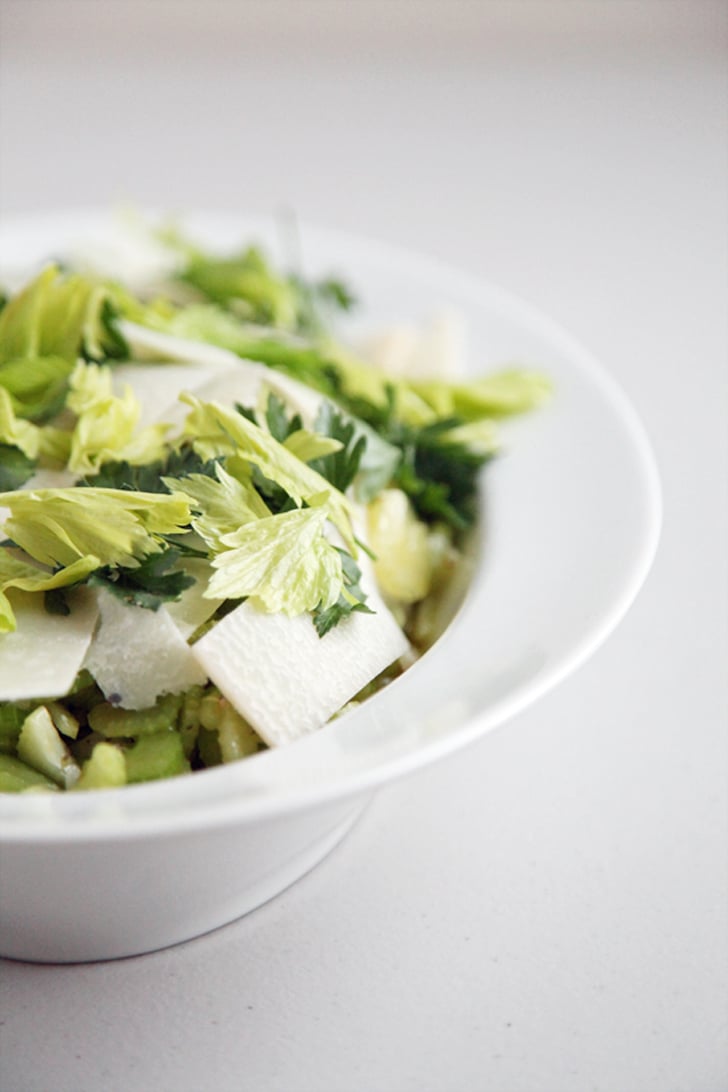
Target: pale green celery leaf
x,y
307,445
43,328
155,313
15,573
205,322
106,427
217,430
21,318
89,385
246,283
224,502
55,446
15,431
283,563
120,527
496,395
52,316
36,385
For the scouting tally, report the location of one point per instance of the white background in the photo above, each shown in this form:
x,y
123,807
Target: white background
x,y
545,912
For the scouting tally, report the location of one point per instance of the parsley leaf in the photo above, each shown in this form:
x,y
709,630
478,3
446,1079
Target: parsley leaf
x,y
15,467
340,467
438,475
280,425
150,584
325,619
148,478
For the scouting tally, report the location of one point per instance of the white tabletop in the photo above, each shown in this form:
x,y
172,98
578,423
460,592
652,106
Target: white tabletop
x,y
545,911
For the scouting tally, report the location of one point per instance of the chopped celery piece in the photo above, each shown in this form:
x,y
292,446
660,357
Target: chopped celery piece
x,y
16,776
235,737
40,745
154,756
64,721
188,722
208,747
400,542
116,723
11,721
105,769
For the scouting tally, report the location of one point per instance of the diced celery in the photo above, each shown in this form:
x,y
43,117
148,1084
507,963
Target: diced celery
x,y
64,721
403,565
11,721
16,776
188,722
235,737
40,745
105,769
116,723
155,756
208,747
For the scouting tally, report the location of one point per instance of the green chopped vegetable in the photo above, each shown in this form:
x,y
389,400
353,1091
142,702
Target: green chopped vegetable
x,y
61,526
104,769
17,776
155,756
15,432
43,329
283,562
217,431
115,723
106,428
41,746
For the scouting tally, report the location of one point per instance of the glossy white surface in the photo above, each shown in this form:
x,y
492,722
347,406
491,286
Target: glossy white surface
x,y
546,910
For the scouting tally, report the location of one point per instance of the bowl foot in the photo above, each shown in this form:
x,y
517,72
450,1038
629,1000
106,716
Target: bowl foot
x,y
87,904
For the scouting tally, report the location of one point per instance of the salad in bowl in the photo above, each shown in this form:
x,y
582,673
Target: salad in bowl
x,y
224,522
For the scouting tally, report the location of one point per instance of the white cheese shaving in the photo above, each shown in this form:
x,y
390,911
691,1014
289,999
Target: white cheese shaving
x,y
153,345
285,679
157,385
139,654
435,350
42,657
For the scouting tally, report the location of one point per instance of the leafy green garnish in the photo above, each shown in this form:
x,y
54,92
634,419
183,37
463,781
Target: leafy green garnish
x,y
289,431
217,431
224,504
351,599
106,429
438,474
283,562
43,330
153,582
340,467
15,467
246,284
15,573
280,424
37,385
19,445
150,478
116,527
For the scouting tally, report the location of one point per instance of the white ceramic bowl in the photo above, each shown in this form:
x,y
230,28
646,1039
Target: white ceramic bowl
x,y
570,521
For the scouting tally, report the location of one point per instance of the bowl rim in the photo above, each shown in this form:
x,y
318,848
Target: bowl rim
x,y
210,798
